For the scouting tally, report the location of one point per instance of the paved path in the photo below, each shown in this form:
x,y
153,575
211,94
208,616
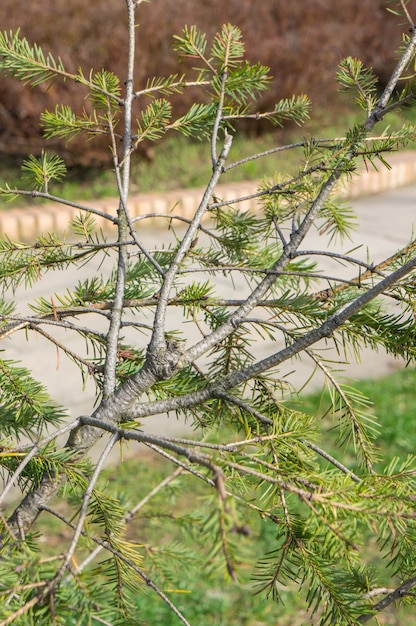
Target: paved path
x,y
386,222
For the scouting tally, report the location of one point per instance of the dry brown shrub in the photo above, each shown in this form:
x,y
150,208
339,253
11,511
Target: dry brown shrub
x,y
302,43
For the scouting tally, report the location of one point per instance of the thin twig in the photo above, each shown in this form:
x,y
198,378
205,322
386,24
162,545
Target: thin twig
x,y
299,144
407,14
107,546
218,117
347,404
325,455
59,200
129,516
400,592
179,84
84,507
123,180
158,338
370,271
61,346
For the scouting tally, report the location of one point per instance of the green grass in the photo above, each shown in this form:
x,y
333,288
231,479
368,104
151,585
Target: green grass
x,y
179,162
204,594
173,521
394,402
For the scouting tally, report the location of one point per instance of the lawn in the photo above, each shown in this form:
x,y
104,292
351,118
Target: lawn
x,y
181,163
170,522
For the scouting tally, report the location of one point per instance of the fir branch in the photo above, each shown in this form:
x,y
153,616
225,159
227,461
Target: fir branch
x,y
30,65
33,452
327,329
169,85
120,555
400,592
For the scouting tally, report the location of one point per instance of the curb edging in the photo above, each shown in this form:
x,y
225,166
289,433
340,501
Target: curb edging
x,y
26,223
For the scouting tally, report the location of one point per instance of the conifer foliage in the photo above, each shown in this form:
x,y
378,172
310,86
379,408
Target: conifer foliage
x,y
261,463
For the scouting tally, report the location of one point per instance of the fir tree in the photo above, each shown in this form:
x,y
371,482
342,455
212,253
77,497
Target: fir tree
x,y
260,460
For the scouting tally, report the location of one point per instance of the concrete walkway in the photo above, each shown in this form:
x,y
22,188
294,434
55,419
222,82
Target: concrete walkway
x,y
385,224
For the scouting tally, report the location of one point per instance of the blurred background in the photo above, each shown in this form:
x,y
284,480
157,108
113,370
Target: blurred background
x,y
302,43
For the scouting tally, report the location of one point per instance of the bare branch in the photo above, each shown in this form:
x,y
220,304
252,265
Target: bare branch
x,y
327,329
218,119
158,339
123,180
59,200
84,508
379,110
398,593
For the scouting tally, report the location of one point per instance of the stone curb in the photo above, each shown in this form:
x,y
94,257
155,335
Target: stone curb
x,y
26,223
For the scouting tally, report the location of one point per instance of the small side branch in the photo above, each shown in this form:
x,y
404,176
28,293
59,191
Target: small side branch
x,y
398,593
379,110
327,329
218,118
158,338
